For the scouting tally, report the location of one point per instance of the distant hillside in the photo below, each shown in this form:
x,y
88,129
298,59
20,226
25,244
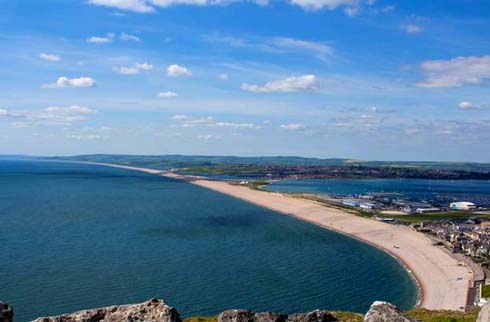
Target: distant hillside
x,y
201,160
180,161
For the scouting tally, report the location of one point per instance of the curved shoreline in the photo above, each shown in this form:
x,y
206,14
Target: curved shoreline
x,y
442,282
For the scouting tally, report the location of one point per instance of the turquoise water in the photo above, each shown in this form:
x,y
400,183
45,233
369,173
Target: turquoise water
x,y
82,236
477,191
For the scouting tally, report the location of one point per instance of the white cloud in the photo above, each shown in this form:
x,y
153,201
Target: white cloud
x,y
223,76
276,45
352,11
167,3
144,66
456,72
322,4
101,40
132,70
149,6
84,137
411,29
49,57
209,122
167,94
64,82
236,125
209,137
3,113
388,9
140,6
179,117
65,114
290,84
465,105
176,70
53,115
128,37
126,70
292,127
317,49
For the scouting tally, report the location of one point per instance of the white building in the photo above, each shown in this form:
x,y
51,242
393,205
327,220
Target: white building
x,y
426,210
368,206
462,205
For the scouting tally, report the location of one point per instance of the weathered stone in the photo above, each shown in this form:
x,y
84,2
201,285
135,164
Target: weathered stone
x,y
385,312
152,310
269,317
314,316
236,316
6,312
249,316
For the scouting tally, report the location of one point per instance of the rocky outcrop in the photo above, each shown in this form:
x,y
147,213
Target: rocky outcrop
x,y
152,310
156,310
6,312
384,312
250,316
314,316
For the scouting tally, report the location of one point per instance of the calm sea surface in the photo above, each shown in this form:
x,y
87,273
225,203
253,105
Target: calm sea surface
x,y
477,191
82,236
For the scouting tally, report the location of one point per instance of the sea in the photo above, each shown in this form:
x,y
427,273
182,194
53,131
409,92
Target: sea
x,y
440,192
77,236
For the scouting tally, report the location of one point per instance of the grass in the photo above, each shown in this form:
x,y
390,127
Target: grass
x,y
422,315
202,319
348,316
443,316
485,291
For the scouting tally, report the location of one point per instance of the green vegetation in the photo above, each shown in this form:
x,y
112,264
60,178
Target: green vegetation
x,y
422,315
348,316
202,319
203,160
438,216
231,170
258,184
485,292
443,316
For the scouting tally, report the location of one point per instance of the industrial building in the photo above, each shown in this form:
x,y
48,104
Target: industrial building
x,y
462,205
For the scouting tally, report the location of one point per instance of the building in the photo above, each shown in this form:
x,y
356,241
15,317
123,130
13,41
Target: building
x,y
462,205
368,206
350,203
426,210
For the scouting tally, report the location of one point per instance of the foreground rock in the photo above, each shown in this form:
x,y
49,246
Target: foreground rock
x,y
385,312
156,310
250,316
152,310
6,312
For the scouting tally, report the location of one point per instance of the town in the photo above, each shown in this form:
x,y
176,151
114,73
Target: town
x,y
461,228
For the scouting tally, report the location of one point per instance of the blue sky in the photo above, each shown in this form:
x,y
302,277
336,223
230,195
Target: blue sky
x,y
384,79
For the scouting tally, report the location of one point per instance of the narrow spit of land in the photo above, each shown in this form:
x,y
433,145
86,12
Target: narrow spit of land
x,y
443,281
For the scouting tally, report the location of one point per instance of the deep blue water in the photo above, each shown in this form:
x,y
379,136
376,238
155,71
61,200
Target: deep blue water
x,y
477,191
81,236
